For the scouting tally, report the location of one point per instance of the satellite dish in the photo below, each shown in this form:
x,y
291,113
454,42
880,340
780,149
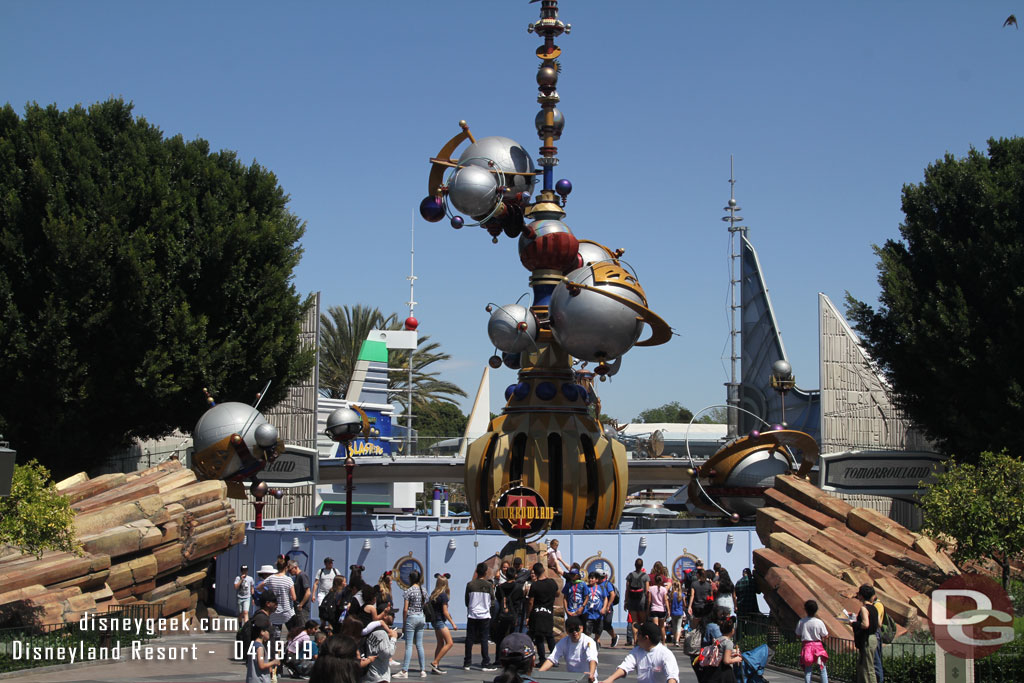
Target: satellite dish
x,y
657,443
654,445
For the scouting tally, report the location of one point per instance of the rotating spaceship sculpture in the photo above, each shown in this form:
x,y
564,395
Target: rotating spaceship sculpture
x,y
588,308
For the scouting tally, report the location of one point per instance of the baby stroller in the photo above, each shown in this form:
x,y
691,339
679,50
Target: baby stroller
x,y
751,669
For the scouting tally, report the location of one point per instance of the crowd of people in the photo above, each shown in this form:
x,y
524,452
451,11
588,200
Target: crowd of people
x,y
357,617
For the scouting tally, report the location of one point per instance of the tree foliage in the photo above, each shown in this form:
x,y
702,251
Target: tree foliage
x,y
981,507
134,271
36,517
440,419
673,412
343,331
951,316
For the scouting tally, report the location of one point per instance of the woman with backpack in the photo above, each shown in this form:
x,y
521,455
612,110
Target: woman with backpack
x,y
727,651
636,594
438,602
413,623
331,607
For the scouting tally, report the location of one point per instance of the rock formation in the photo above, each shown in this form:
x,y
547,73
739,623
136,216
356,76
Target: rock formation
x,y
147,537
820,547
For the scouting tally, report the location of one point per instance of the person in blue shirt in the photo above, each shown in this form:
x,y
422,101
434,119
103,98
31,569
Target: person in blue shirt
x,y
609,596
574,592
593,609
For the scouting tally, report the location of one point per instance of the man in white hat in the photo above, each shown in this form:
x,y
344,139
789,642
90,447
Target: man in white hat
x,y
245,588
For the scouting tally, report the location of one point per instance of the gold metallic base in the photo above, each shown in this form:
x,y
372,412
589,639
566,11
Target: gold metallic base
x,y
564,457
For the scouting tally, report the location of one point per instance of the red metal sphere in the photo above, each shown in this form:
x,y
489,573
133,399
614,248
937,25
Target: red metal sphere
x,y
549,244
411,323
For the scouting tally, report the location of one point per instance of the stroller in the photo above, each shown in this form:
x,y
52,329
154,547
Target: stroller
x,y
751,669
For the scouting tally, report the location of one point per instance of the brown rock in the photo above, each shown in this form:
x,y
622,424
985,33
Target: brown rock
x,y
940,559
777,499
802,553
865,521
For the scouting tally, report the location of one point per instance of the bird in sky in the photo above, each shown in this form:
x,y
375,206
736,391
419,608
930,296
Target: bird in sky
x,y
1011,21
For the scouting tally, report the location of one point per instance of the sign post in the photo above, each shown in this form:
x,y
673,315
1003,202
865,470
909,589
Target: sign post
x,y
879,473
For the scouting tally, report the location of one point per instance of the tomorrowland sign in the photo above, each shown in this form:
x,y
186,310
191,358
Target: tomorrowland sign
x,y
900,474
521,512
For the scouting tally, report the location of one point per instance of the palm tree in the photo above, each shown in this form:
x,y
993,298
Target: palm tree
x,y
343,331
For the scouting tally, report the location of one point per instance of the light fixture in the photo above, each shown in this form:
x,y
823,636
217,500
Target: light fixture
x,y
643,541
295,543
730,539
451,544
366,544
245,539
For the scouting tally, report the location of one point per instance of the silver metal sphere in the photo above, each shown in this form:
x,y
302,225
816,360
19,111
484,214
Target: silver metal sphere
x,y
558,123
589,325
343,424
732,202
225,419
782,370
473,191
266,435
593,253
512,328
508,156
547,75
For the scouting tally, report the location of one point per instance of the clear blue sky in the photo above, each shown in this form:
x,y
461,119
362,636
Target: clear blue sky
x,y
829,108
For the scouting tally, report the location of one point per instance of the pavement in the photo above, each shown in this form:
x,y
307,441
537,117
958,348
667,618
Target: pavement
x,y
205,658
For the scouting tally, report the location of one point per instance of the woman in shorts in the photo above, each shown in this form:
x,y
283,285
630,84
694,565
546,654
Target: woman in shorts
x,y
439,598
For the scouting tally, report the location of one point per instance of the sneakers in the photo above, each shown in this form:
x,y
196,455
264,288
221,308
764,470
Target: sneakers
x,y
437,670
394,663
400,674
423,674
467,668
615,640
488,667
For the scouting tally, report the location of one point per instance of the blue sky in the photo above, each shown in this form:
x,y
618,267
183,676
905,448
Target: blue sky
x,y
829,108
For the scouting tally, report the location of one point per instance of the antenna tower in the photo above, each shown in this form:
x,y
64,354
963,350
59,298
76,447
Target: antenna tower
x,y
733,385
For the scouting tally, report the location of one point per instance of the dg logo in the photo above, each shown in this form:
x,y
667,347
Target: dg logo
x,y
971,616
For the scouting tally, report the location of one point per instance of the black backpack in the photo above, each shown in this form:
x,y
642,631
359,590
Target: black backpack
x,y
635,586
329,607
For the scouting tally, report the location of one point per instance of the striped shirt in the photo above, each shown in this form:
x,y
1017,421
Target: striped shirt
x,y
281,586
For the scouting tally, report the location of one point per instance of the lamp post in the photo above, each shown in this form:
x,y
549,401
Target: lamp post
x,y
782,380
343,425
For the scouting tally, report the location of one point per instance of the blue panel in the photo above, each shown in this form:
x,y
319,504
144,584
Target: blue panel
x,y
619,549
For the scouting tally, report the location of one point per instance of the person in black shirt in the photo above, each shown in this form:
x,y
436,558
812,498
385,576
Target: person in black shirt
x,y
509,596
522,577
865,630
542,610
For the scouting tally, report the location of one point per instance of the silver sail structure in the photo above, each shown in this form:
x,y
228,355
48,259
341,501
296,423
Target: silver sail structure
x,y
761,345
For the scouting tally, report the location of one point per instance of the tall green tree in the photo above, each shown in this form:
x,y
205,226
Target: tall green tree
x,y
981,508
343,331
135,270
948,329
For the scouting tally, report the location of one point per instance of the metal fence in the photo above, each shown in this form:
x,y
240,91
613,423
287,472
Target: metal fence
x,y
27,647
905,662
